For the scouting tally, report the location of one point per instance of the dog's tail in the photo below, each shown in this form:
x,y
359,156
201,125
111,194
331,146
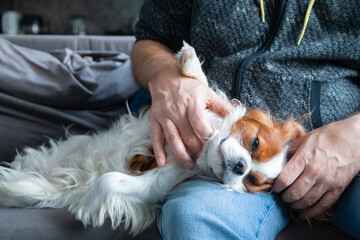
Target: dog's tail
x,y
18,189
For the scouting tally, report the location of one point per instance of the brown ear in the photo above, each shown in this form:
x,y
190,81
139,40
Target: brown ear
x,y
142,163
256,182
292,130
256,115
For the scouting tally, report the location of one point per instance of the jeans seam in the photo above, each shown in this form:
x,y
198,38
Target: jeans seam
x,y
266,218
161,224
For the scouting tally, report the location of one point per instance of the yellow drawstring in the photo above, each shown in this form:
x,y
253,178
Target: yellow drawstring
x,y
307,15
262,10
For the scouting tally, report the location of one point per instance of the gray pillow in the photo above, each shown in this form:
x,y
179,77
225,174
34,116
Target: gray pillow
x,y
43,93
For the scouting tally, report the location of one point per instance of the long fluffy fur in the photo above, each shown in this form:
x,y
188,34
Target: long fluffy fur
x,y
90,174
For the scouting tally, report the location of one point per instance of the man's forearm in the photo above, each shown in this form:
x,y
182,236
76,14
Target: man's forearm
x,y
151,59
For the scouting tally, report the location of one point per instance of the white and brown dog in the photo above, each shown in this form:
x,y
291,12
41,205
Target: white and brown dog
x,y
114,175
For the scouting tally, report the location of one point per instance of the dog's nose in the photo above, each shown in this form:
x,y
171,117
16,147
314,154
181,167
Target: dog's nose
x,y
240,167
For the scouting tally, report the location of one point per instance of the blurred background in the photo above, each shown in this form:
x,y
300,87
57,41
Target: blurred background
x,y
73,17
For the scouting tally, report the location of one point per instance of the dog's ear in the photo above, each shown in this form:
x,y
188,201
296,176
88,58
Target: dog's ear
x,y
292,130
142,163
256,182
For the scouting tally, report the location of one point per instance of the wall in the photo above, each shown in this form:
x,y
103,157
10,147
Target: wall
x,y
102,16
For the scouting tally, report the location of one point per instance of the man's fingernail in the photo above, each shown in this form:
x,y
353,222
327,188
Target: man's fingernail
x,y
161,162
188,165
275,188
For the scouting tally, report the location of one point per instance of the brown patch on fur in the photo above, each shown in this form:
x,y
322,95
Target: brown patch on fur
x,y
142,163
272,136
324,217
257,182
298,216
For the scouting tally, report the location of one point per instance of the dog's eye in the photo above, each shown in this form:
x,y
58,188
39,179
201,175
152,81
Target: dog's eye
x,y
254,144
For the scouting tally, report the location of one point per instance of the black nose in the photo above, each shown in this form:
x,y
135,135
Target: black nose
x,y
240,167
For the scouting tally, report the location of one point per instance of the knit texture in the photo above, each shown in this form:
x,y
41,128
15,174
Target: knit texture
x,y
224,32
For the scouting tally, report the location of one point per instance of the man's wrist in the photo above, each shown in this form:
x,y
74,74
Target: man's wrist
x,y
164,77
356,121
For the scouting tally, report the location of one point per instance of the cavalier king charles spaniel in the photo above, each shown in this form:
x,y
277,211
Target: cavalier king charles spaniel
x,y
113,174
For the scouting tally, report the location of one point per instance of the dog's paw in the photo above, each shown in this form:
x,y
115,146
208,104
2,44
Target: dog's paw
x,y
189,63
186,56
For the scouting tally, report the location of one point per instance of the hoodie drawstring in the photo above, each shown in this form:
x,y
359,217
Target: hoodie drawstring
x,y
307,15
262,10
306,20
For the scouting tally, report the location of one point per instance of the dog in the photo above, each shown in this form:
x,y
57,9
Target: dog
x,y
113,174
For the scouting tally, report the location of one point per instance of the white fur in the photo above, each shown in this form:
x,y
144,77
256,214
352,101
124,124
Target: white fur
x,y
272,168
189,64
232,150
90,173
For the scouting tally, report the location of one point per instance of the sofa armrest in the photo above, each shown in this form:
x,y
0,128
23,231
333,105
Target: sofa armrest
x,y
93,43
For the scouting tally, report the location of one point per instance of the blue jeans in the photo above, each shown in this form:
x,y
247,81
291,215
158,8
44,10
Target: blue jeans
x,y
347,209
202,209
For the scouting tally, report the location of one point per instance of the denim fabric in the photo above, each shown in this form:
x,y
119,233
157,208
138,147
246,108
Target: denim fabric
x,y
202,209
139,101
347,209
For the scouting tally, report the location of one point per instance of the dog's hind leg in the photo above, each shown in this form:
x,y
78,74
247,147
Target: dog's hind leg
x,y
117,196
133,200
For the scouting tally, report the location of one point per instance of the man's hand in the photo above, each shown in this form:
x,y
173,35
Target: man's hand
x,y
177,114
325,162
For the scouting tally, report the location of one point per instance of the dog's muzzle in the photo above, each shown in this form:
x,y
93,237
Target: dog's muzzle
x,y
240,167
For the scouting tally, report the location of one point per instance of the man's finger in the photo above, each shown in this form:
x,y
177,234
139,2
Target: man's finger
x,y
157,138
292,170
189,136
321,206
217,104
310,198
173,138
199,121
299,188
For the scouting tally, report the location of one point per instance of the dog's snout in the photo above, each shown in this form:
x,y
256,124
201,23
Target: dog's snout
x,y
252,178
240,167
222,141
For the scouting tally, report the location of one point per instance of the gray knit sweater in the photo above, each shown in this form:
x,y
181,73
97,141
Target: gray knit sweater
x,y
260,62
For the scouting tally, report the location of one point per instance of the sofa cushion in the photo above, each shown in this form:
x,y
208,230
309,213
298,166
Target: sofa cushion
x,y
18,223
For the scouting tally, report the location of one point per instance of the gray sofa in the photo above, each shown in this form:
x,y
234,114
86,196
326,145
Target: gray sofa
x,y
59,223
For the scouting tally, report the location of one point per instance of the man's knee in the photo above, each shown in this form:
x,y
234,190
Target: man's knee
x,y
201,209
179,214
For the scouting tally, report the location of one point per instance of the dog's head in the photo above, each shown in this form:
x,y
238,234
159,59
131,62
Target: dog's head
x,y
249,150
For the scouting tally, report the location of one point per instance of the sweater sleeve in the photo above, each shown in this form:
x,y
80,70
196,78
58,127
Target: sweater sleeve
x,y
165,21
